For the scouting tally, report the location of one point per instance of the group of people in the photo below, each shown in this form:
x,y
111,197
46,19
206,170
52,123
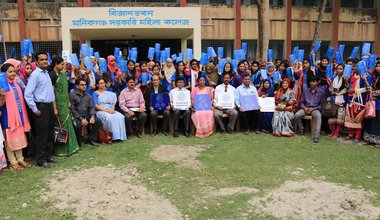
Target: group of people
x,y
42,99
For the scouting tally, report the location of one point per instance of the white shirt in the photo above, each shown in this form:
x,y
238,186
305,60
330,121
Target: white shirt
x,y
173,93
220,90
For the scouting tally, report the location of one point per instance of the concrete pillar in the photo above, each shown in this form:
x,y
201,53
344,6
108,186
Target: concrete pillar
x,y
183,45
335,24
21,18
288,37
66,39
237,24
197,44
182,3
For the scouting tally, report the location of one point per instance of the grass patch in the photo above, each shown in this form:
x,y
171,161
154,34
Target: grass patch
x,y
257,161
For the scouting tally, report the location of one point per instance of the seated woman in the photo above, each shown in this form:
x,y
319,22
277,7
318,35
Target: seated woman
x,y
203,120
266,90
283,115
105,102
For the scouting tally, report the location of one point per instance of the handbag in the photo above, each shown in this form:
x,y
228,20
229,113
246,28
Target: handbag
x,y
329,108
61,135
354,113
370,107
105,136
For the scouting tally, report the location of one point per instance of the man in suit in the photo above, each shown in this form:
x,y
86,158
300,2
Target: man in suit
x,y
156,88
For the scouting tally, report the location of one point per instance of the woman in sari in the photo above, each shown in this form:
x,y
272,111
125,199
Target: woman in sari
x,y
283,115
112,120
266,90
371,126
203,120
338,89
14,120
61,107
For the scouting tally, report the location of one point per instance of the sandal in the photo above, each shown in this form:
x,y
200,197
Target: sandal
x,y
15,167
25,164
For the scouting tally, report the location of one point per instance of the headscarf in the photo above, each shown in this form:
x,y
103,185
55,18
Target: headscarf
x,y
282,91
212,76
111,67
23,75
169,71
14,62
269,91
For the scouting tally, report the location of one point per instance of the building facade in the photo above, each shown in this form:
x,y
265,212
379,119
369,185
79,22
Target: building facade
x,y
225,23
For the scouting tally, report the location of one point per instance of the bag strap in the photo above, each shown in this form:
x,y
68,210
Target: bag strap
x,y
59,123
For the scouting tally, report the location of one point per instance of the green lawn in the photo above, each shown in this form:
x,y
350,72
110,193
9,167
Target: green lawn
x,y
258,161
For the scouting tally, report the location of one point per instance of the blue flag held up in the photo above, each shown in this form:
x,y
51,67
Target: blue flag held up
x,y
157,48
270,55
276,76
123,66
329,71
244,47
361,67
330,52
116,52
289,72
264,74
354,52
25,47
341,49
347,70
88,63
211,52
317,45
97,55
4,82
189,54
366,49
133,55
103,65
338,57
372,61
74,59
204,59
167,50
292,59
300,55
220,52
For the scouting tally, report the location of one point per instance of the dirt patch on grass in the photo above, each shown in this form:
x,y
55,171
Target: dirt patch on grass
x,y
233,191
311,199
183,156
107,193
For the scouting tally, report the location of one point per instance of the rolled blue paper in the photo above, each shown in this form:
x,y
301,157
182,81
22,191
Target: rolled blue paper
x,y
347,70
31,49
49,57
300,55
354,52
174,57
74,59
123,66
204,59
151,52
292,59
361,66
97,55
116,52
270,54
25,47
4,82
264,74
372,61
330,52
329,71
133,56
163,56
145,76
276,76
88,63
317,45
189,54
211,52
341,49
311,60
289,72
157,48
366,49
338,57
103,65
91,51
13,52
234,64
295,51
244,46
167,50
220,52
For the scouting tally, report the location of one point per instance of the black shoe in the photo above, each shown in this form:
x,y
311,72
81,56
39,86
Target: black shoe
x,y
165,133
187,134
52,160
154,133
300,132
229,131
175,134
316,140
45,165
93,143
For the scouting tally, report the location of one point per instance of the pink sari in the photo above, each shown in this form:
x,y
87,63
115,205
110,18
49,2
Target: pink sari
x,y
203,120
15,133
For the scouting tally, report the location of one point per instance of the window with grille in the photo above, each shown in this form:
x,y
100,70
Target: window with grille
x,y
227,44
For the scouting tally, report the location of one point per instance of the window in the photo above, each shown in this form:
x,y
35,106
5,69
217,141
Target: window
x,y
227,44
310,3
349,3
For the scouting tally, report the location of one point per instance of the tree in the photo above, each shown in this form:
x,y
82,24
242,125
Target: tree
x,y
318,25
263,29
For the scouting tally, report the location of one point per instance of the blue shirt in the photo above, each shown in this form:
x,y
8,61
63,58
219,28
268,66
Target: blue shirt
x,y
39,89
246,91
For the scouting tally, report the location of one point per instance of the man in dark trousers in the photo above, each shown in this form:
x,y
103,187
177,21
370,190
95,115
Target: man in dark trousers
x,y
156,88
39,96
83,110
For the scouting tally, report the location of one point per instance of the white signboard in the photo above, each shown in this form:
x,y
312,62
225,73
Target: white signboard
x,y
267,104
181,100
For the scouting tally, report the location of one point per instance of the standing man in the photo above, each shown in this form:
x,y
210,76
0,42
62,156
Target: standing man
x,y
249,117
83,111
311,104
39,96
132,103
184,111
155,89
219,110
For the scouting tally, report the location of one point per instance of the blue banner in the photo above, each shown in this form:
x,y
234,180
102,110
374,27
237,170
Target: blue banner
x,y
341,49
330,52
295,51
163,57
270,55
202,102
221,65
234,64
276,76
116,52
264,74
211,52
338,57
244,47
300,55
317,45
366,49
25,47
220,52
371,64
88,63
329,71
157,48
347,70
97,55
74,60
174,57
133,55
354,52
103,65
189,54
361,67
159,101
123,66
292,59
289,72
167,50
151,53
204,59
4,82
145,76
248,102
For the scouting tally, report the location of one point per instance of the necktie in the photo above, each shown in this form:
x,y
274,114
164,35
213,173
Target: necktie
x,y
225,88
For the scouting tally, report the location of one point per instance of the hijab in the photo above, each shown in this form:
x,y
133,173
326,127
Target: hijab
x,y
212,76
270,90
169,71
111,67
14,62
282,91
